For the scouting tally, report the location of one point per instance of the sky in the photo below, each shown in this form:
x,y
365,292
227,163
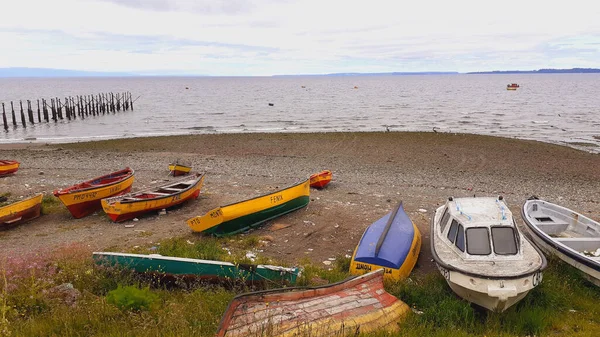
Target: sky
x,y
277,37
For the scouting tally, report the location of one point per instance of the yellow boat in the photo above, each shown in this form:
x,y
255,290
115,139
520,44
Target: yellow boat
x,y
21,211
176,169
8,166
241,216
391,243
129,206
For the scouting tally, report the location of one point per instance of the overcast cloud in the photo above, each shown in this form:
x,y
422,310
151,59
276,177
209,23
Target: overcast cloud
x,y
268,37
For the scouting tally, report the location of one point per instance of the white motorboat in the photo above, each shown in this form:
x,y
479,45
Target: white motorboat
x,y
572,237
482,254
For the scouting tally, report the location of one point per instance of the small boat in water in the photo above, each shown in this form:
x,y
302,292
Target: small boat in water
x,y
131,205
8,167
177,169
391,243
321,179
359,304
571,236
204,270
84,198
512,86
21,211
479,250
240,216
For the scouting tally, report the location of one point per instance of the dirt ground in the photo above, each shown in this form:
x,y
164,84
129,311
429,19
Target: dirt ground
x,y
372,172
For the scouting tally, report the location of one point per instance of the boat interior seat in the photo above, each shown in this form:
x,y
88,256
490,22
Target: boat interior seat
x,y
551,228
160,193
580,244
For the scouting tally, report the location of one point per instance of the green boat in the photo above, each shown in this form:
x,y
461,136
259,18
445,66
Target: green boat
x,y
203,270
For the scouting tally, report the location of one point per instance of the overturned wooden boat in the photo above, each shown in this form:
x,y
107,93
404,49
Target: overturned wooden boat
x,y
359,304
177,169
21,211
240,216
321,179
8,167
83,199
479,250
571,236
204,270
391,243
131,205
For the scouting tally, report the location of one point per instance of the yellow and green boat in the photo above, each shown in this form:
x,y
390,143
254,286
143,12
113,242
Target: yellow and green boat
x,y
241,216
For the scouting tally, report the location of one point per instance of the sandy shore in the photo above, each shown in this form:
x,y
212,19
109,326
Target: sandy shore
x,y
372,172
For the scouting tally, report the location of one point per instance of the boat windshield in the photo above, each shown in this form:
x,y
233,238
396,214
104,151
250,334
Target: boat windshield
x,y
505,240
478,241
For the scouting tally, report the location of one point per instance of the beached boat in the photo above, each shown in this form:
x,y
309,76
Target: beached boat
x,y
203,270
392,243
177,169
321,179
84,198
131,205
571,236
512,86
240,216
359,304
481,253
21,211
8,166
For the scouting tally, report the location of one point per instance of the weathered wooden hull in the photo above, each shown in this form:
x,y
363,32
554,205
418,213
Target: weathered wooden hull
x,y
321,179
128,206
179,170
562,232
359,304
391,243
84,201
241,216
8,167
21,211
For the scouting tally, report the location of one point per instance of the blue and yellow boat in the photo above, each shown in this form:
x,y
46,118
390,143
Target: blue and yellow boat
x,y
392,243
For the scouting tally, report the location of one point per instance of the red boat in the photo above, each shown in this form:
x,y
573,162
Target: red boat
x,y
84,198
321,179
512,86
8,166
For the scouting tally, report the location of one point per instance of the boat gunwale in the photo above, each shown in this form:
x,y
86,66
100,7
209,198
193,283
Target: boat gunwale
x,y
441,263
264,195
561,248
37,195
66,191
111,201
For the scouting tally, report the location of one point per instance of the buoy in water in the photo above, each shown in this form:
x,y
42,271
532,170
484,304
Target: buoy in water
x,y
271,104
355,87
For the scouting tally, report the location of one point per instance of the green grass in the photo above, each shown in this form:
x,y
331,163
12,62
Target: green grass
x,y
51,204
563,305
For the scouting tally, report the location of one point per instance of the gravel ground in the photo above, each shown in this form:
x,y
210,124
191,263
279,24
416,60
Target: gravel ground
x,y
372,172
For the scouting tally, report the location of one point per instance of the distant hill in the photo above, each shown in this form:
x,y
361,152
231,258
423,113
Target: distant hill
x,y
47,72
541,71
379,74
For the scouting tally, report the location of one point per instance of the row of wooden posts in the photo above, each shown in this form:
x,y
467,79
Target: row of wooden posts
x,y
73,107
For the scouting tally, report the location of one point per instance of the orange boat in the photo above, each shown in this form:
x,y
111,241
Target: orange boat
x,y
84,198
357,304
321,179
21,211
512,86
8,166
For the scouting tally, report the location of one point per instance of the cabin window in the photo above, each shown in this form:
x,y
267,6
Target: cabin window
x,y
452,231
460,238
504,239
444,221
478,241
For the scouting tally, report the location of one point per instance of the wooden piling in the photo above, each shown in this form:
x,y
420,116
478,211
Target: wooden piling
x,y
30,112
39,116
22,115
4,118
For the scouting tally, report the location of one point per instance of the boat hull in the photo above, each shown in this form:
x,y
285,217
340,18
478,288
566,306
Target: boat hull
x,y
179,170
359,304
21,211
206,270
84,202
239,217
120,210
321,179
8,167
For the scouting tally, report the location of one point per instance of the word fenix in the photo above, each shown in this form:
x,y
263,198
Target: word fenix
x,y
367,267
276,198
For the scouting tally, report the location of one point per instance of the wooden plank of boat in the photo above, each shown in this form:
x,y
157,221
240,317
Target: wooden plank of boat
x,y
21,211
176,169
391,243
481,253
359,304
83,198
208,270
129,206
8,167
321,179
240,216
571,236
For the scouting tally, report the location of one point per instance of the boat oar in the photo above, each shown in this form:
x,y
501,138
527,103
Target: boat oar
x,y
206,221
